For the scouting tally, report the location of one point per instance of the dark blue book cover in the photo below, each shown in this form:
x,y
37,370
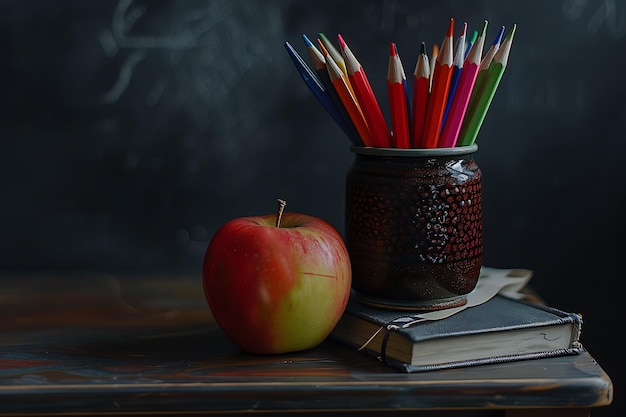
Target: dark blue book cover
x,y
500,330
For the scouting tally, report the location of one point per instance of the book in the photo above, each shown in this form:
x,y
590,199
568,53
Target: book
x,y
501,329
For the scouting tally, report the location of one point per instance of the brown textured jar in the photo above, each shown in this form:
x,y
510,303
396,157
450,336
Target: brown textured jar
x,y
414,226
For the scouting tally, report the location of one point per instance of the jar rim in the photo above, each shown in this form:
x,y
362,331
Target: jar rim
x,y
458,150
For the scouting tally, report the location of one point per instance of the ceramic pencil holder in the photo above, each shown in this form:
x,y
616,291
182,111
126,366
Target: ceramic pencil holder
x,y
414,226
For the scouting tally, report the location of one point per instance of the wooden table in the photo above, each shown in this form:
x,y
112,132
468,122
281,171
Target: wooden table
x,y
100,344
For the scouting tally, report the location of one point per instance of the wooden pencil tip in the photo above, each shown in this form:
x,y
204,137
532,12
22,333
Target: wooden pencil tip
x,y
307,42
392,49
464,30
484,33
474,36
342,43
423,48
322,47
498,39
450,28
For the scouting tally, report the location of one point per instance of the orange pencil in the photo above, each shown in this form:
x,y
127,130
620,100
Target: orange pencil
x,y
439,93
336,55
340,84
397,100
319,63
421,88
365,95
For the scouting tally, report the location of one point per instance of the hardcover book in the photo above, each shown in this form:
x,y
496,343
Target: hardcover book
x,y
500,329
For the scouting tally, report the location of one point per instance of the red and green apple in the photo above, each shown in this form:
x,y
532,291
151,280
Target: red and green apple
x,y
277,283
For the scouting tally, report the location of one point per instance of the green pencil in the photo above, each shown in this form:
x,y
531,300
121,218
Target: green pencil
x,y
470,127
479,85
334,53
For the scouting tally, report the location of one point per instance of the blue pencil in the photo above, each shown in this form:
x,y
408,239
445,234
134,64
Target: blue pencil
x,y
315,85
319,65
459,58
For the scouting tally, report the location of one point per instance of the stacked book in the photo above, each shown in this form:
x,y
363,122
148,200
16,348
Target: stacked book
x,y
498,324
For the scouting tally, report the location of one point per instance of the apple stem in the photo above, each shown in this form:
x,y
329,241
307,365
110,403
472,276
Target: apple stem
x,y
281,208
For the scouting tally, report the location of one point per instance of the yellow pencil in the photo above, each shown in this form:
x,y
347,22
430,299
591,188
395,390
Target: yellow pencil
x,y
337,57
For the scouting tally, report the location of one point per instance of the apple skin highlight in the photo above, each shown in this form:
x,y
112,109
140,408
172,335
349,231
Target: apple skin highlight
x,y
277,289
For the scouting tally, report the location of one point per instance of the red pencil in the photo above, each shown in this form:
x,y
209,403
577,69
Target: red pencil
x,y
421,87
365,95
439,93
397,100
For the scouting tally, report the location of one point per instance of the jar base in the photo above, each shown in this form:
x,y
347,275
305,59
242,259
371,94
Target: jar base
x,y
411,305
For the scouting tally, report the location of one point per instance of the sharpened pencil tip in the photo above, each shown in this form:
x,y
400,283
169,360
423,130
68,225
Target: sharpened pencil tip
x,y
498,38
307,42
484,33
474,36
450,28
392,49
342,43
322,48
423,48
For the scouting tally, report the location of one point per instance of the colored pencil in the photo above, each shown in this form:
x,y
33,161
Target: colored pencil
x,y
397,100
337,57
319,63
407,96
340,84
439,91
433,59
463,93
459,58
482,74
421,87
470,128
366,98
470,43
315,85
334,53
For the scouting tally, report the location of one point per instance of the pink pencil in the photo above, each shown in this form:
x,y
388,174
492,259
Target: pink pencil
x,y
463,93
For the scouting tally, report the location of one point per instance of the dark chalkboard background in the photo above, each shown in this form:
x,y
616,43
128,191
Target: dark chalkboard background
x,y
131,130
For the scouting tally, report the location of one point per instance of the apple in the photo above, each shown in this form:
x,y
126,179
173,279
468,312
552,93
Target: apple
x,y
277,283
